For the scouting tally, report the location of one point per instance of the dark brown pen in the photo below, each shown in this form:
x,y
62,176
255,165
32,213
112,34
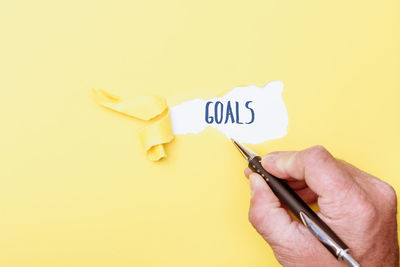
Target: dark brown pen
x,y
299,208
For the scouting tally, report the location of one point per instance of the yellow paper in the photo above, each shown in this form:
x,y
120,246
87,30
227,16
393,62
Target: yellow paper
x,y
142,107
77,189
153,136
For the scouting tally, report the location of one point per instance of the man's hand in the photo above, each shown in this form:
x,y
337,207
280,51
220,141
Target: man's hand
x,y
358,207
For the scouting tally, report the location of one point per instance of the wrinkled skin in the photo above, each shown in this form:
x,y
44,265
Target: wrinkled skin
x,y
358,207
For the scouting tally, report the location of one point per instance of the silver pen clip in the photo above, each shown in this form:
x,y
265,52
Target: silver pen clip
x,y
325,239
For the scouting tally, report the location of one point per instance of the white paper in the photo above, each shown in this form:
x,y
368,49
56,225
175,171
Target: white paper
x,y
270,117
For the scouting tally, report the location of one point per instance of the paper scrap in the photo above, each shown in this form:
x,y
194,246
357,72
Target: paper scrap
x,y
142,107
151,108
248,114
155,135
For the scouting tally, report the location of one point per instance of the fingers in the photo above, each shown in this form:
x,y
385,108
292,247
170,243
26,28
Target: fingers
x,y
293,183
266,213
286,237
300,187
316,166
307,195
247,172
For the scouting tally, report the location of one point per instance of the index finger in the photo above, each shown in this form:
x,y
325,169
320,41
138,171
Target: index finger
x,y
316,166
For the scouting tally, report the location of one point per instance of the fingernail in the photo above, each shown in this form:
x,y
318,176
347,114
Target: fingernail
x,y
275,159
280,163
247,170
270,157
253,183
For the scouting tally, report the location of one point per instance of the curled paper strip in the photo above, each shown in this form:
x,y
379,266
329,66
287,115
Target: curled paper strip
x,y
154,108
156,134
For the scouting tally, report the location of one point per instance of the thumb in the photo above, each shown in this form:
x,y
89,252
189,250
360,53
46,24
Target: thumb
x,y
317,167
267,215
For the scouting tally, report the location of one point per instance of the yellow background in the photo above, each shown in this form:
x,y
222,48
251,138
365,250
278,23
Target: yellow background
x,y
75,186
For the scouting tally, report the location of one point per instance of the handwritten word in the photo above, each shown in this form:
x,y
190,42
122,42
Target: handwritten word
x,y
219,115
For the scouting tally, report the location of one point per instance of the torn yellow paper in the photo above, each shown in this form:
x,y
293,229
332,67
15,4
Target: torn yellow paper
x,y
153,136
156,134
142,107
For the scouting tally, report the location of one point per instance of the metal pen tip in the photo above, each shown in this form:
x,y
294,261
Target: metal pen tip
x,y
246,152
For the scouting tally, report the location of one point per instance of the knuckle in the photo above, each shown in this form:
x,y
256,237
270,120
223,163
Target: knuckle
x,y
367,213
286,255
389,195
255,218
367,209
317,153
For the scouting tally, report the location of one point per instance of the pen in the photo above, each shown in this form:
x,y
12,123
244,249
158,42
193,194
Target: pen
x,y
299,208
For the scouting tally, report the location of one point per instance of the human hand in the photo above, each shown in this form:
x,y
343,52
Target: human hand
x,y
358,207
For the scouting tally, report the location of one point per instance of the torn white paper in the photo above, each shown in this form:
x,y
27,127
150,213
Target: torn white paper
x,y
247,114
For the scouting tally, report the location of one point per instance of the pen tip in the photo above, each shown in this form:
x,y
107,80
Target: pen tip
x,y
245,151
